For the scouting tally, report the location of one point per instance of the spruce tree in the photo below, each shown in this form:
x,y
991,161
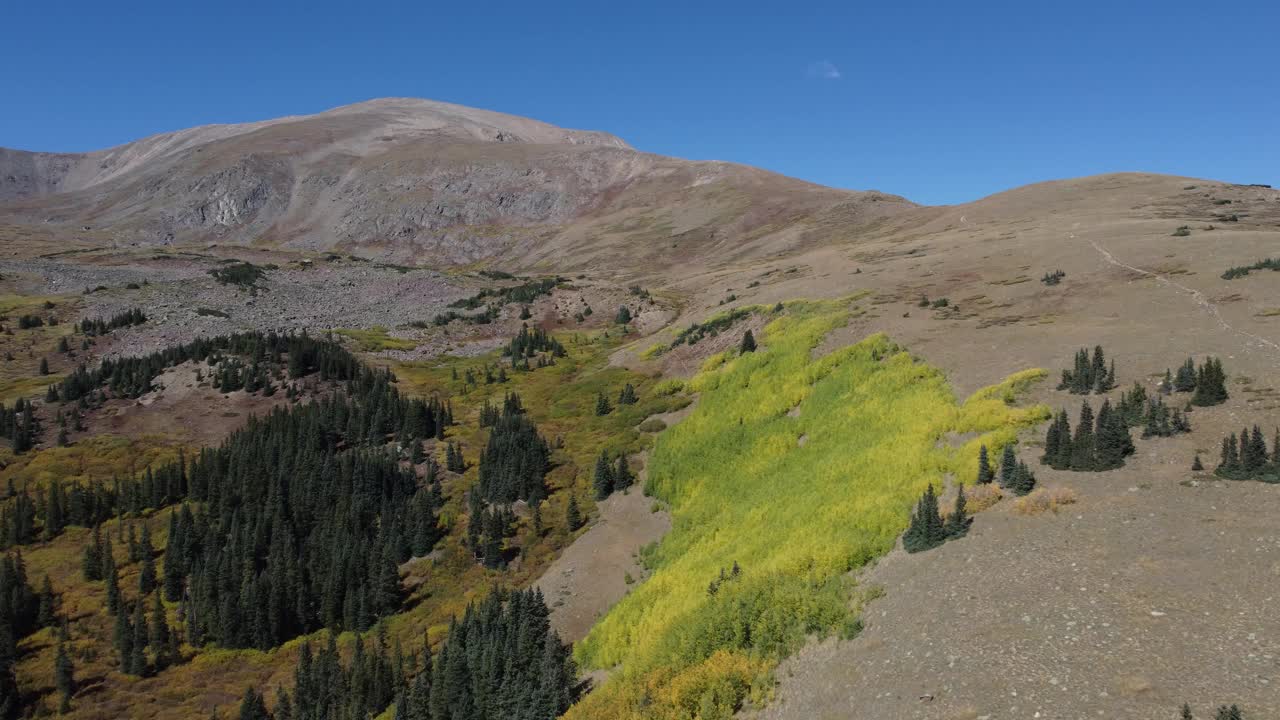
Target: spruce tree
x,y
602,405
957,523
1083,450
64,678
748,343
1196,465
572,515
1024,481
985,473
1008,463
603,480
926,529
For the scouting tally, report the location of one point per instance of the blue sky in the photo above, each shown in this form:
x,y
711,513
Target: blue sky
x,y
940,102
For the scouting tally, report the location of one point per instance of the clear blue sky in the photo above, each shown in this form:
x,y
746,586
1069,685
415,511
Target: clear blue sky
x,y
941,102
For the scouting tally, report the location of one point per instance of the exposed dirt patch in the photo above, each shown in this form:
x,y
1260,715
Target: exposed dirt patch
x,y
590,575
184,408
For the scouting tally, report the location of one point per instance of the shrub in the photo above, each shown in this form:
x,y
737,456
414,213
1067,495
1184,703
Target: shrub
x,y
1044,500
1182,231
982,497
653,425
1242,270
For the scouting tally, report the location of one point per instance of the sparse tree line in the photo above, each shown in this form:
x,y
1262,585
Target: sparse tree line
x,y
1245,457
102,326
1089,374
1103,442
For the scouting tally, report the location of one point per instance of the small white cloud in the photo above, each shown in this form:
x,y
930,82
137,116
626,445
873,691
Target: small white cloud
x,y
824,69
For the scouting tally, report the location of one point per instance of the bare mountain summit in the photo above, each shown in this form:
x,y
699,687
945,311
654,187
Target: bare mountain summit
x,y
415,180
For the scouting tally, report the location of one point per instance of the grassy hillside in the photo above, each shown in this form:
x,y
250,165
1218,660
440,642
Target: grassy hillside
x,y
797,470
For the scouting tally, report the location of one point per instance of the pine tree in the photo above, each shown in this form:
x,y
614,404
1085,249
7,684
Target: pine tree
x,y
628,395
1229,713
1185,380
1196,465
985,473
253,707
1211,384
44,366
1113,442
602,405
603,480
64,678
573,516
112,578
92,563
748,343
957,523
147,575
1008,464
1024,481
926,529
1083,450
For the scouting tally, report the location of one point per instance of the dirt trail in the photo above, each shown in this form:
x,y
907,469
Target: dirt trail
x,y
1198,296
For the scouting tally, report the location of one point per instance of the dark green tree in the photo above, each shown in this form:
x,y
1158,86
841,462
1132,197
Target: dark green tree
x,y
748,343
603,480
572,515
1008,464
64,679
926,530
985,472
602,405
957,523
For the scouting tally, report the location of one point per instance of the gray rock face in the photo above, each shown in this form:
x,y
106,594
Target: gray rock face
x,y
33,174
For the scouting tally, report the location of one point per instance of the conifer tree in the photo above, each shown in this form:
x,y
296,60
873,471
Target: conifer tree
x,y
1196,465
44,366
603,481
64,679
957,523
572,515
1185,380
91,566
1083,445
1008,464
748,343
628,395
1024,481
985,473
602,405
1211,384
926,529
147,575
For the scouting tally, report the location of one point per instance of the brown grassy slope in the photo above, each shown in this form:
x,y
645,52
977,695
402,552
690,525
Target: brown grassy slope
x,y
411,180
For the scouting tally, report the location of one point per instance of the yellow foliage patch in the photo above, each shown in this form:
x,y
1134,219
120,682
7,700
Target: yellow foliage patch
x,y
795,518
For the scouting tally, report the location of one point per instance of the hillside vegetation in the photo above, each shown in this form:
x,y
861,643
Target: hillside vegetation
x,y
790,472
